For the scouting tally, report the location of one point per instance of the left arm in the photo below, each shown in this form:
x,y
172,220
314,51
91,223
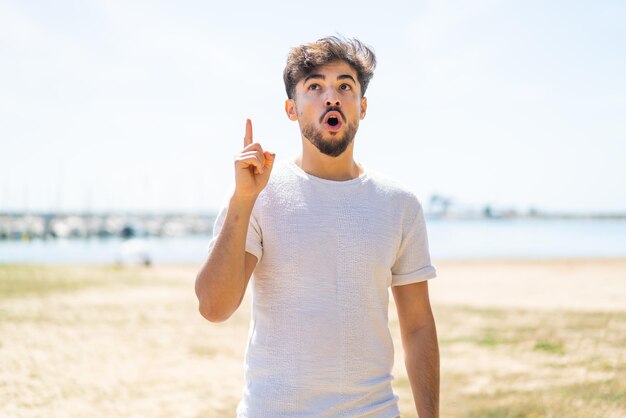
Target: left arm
x,y
421,350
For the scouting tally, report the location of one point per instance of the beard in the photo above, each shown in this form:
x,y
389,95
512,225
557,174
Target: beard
x,y
333,147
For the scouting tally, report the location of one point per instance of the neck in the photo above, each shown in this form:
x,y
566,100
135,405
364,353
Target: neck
x,y
340,168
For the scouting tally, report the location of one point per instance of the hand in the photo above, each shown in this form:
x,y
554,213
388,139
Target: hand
x,y
252,167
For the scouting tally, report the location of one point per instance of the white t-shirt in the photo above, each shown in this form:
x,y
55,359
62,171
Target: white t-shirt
x,y
319,343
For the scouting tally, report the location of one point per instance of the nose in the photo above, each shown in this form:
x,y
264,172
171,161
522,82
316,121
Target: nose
x,y
332,99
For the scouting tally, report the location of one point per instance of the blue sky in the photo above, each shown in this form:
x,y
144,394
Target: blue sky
x,y
140,105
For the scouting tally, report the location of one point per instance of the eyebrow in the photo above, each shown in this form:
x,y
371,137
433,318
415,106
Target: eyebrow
x,y
323,77
346,76
314,76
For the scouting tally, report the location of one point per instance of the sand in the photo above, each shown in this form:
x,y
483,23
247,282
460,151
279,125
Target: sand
x,y
140,349
581,285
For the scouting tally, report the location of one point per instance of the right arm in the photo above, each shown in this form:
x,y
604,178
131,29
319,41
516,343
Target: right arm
x,y
223,279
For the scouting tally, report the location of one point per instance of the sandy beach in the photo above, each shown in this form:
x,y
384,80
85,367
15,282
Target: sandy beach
x,y
518,339
580,285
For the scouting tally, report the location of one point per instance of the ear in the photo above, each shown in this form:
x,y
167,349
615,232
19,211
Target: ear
x,y
363,107
290,109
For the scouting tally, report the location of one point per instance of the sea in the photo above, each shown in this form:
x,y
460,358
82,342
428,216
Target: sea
x,y
448,240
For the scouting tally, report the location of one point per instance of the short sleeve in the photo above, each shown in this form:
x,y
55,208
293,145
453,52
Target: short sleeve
x,y
412,262
254,241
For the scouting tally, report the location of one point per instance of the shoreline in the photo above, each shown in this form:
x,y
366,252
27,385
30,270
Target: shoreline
x,y
435,262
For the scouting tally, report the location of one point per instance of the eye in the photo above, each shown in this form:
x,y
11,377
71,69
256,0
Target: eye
x,y
313,86
345,87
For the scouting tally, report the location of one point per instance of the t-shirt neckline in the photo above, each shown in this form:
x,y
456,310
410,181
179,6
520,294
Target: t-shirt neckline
x,y
338,183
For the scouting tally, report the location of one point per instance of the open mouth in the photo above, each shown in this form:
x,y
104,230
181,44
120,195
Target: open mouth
x,y
332,120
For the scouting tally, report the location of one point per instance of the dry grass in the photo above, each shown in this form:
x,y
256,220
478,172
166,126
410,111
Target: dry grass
x,y
105,341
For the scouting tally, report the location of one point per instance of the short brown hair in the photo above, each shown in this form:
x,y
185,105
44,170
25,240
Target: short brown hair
x,y
303,59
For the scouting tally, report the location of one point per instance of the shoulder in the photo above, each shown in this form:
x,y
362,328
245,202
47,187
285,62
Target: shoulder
x,y
392,189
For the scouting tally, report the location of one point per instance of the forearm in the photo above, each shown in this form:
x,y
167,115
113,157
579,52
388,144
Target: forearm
x,y
421,356
221,282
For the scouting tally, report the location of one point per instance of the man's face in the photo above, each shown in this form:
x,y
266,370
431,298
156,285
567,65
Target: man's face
x,y
328,106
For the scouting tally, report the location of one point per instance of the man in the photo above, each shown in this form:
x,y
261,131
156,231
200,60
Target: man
x,y
325,238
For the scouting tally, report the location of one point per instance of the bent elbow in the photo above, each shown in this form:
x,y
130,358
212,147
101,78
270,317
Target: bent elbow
x,y
213,315
214,305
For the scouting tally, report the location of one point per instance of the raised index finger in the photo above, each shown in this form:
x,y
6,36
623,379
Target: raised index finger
x,y
247,139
